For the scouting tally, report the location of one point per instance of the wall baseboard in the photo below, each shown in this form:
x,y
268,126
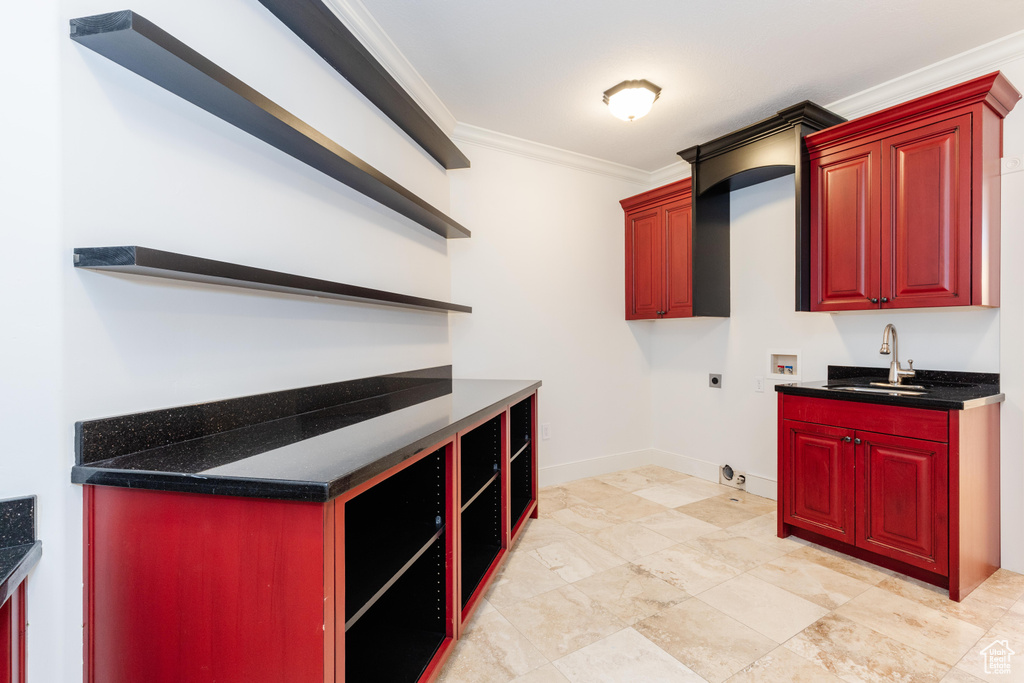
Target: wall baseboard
x,y
702,469
581,469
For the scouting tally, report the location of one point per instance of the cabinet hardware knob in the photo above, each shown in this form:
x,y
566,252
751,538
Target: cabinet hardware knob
x,y
874,300
847,439
885,299
856,441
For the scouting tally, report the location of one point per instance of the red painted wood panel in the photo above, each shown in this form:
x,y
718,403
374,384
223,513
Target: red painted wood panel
x,y
183,587
902,500
678,247
13,614
845,237
923,424
926,225
819,479
645,265
974,522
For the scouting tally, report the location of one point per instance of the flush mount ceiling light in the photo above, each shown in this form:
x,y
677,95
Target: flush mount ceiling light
x,y
630,100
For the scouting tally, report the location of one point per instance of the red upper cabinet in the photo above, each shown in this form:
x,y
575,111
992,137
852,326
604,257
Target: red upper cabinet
x,y
658,248
905,202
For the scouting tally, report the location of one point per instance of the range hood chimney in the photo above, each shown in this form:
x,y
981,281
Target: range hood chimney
x,y
766,150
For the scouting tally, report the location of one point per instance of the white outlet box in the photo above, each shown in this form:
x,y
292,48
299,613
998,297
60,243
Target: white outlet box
x,y
759,385
545,431
738,481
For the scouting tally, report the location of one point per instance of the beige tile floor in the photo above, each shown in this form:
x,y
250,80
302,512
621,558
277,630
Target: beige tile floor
x,y
649,575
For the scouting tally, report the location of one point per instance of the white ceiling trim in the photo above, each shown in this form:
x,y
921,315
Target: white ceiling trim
x,y
975,62
535,150
358,19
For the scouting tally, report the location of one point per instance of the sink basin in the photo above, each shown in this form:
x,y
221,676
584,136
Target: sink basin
x,y
889,390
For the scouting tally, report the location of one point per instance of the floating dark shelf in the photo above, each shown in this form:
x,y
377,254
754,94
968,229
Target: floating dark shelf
x,y
166,264
140,46
320,28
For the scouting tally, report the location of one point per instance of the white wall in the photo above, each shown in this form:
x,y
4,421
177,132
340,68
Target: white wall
x,y
103,157
543,273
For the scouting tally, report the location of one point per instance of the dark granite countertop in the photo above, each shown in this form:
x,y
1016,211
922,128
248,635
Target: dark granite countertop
x,y
313,455
943,390
19,549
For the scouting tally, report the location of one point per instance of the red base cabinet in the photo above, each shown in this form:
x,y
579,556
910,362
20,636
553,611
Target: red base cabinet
x,y
905,202
371,586
658,249
910,489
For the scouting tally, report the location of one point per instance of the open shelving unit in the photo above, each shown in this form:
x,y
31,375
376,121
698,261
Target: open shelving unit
x,y
396,573
482,518
169,265
142,47
522,477
323,31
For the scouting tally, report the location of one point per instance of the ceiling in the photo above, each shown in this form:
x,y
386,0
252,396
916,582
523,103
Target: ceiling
x,y
536,69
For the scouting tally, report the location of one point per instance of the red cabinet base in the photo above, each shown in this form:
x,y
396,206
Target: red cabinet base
x,y
912,490
184,588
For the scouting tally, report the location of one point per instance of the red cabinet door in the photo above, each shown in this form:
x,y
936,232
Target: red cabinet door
x,y
818,462
645,265
845,211
902,499
678,289
926,225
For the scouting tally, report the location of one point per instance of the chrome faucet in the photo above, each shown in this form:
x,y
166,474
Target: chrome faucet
x,y
896,373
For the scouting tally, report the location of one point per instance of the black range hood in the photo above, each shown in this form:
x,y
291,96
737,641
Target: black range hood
x,y
763,151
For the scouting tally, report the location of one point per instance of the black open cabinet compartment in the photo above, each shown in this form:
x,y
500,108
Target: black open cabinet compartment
x,y
395,583
481,522
520,430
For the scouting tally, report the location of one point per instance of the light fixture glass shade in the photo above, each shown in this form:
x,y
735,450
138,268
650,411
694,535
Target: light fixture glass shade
x,y
630,100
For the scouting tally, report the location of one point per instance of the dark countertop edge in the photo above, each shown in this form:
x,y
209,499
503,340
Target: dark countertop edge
x,y
276,489
10,583
887,400
360,476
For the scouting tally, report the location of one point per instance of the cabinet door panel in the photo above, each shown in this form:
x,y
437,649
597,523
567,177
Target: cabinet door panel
x,y
845,241
644,265
678,301
926,226
818,466
901,499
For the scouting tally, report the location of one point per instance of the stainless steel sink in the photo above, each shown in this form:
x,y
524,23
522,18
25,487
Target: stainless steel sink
x,y
909,390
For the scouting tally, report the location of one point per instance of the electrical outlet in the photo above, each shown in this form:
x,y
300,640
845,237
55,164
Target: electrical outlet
x,y
715,381
759,385
545,431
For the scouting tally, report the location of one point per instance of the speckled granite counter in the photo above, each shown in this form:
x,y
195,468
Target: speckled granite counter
x,y
19,549
942,390
309,444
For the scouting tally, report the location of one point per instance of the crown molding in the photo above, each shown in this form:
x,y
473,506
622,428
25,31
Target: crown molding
x,y
667,174
358,19
970,64
554,155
